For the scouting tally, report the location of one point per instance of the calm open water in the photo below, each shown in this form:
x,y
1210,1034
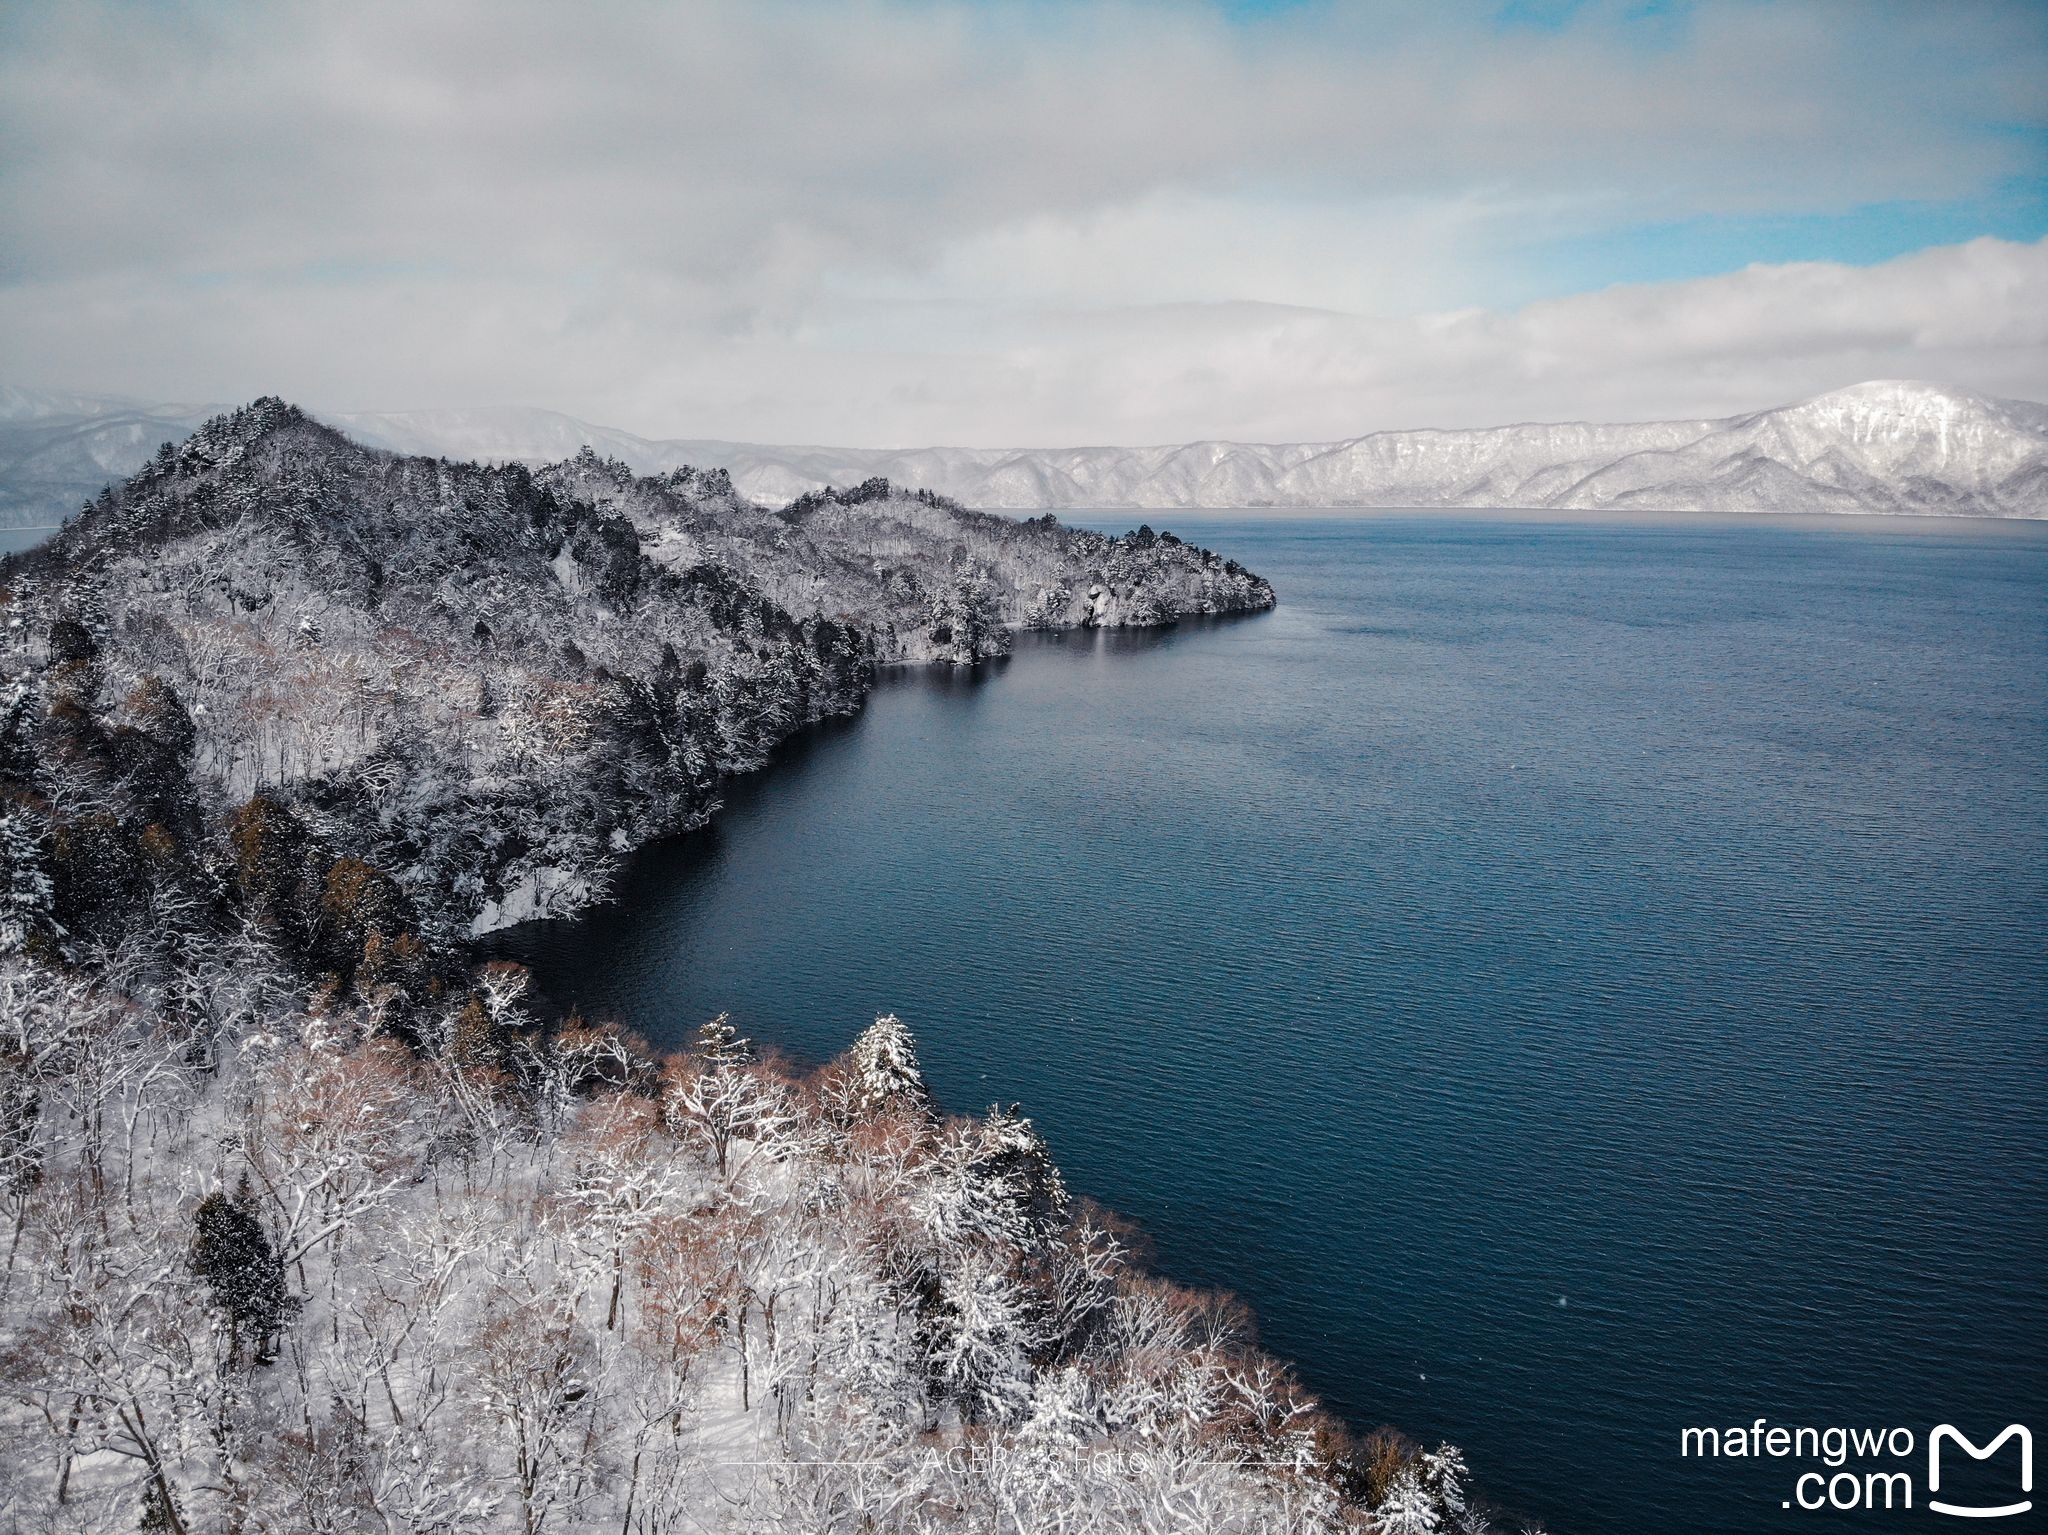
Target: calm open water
x,y
12,540
1575,978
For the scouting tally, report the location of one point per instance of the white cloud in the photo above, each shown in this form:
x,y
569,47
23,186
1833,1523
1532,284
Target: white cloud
x,y
633,353
894,222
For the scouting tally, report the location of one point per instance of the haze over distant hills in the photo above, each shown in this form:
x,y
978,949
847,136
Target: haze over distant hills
x,y
1885,446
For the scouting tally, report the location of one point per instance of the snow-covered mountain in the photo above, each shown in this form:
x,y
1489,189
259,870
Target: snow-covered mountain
x,y
58,450
1875,447
318,550
287,723
1888,446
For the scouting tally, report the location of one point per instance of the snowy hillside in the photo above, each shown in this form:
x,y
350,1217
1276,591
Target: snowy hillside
x,y
575,655
314,1224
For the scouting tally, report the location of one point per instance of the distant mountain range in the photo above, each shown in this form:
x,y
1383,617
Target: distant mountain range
x,y
1887,446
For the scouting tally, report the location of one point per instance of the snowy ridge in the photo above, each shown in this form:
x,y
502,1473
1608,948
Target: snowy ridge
x,y
1873,447
1886,446
559,664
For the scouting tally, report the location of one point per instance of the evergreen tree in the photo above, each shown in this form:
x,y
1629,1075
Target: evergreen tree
x,y
1444,1473
357,901
473,1043
21,1113
981,1351
244,1277
1011,1155
18,713
270,847
27,897
886,1077
1408,1509
72,643
719,1044
158,1516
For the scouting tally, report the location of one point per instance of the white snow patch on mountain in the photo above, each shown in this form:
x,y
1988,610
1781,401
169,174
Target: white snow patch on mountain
x,y
1886,446
1883,446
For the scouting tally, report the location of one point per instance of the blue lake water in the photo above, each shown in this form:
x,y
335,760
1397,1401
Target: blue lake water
x,y
14,539
1577,979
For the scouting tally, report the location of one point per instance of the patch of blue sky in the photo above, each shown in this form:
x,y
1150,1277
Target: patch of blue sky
x,y
1655,17
2015,209
1656,20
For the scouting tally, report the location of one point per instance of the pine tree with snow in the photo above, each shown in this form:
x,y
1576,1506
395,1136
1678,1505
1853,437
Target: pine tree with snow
x,y
1012,1153
1444,1474
886,1076
1061,1411
27,897
1042,1475
981,1352
17,728
158,1515
1408,1508
719,1044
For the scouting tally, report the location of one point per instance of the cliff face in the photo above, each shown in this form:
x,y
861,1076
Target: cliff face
x,y
487,683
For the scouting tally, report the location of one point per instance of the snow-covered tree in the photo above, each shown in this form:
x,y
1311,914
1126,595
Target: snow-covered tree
x,y
984,1339
1408,1508
1012,1157
730,1110
1444,1474
885,1076
27,897
720,1045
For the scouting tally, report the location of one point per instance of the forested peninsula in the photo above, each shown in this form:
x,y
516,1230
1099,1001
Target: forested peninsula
x,y
313,1226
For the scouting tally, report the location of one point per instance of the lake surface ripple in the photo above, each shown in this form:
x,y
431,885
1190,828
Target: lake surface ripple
x,y
1575,978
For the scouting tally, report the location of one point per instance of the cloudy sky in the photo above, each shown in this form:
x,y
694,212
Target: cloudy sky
x,y
899,222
